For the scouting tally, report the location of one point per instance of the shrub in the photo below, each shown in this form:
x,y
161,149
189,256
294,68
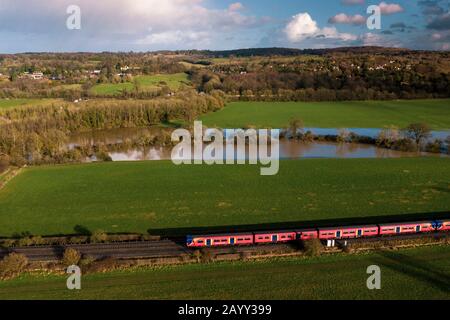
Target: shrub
x,y
9,243
197,255
406,145
31,241
108,264
435,146
71,257
244,255
313,247
98,236
12,265
207,256
87,261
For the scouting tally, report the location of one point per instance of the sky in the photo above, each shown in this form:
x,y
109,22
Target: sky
x,y
151,25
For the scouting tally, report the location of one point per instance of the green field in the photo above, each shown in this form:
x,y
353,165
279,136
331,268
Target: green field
x,y
135,197
349,114
409,274
11,103
147,83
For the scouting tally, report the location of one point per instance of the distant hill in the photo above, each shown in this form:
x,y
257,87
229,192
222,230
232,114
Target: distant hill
x,y
295,52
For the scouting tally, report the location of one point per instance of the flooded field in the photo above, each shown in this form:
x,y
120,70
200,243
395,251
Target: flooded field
x,y
289,149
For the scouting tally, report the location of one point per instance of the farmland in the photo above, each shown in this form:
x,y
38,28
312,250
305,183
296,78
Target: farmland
x,y
410,274
349,114
135,197
146,83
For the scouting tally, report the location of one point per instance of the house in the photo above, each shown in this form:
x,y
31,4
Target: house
x,y
34,75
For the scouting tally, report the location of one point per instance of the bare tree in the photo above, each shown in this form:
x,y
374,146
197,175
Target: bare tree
x,y
418,132
294,126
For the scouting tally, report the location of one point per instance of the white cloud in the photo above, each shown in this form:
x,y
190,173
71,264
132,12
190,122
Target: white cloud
x,y
352,2
374,39
236,6
343,18
390,8
302,27
189,39
125,22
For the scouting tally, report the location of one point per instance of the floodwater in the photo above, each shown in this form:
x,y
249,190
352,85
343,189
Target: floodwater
x,y
289,149
370,132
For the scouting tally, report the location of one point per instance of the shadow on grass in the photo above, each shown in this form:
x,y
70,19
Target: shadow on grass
x,y
416,269
178,232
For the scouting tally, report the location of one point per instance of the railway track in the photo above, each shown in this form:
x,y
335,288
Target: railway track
x,y
168,248
134,250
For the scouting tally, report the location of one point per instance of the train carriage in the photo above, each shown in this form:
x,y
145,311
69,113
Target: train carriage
x,y
307,234
442,225
348,232
446,225
275,237
219,240
406,228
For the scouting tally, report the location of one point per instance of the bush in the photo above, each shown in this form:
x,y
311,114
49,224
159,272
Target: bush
x,y
197,255
435,146
87,261
99,236
108,264
71,257
313,247
13,265
31,241
406,145
207,256
244,255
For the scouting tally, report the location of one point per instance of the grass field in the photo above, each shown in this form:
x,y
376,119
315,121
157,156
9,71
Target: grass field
x,y
409,274
350,114
147,83
135,197
11,103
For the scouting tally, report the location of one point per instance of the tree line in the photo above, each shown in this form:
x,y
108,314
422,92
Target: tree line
x,y
40,134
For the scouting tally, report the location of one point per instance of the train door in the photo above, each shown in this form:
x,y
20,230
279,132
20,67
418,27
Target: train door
x,y
338,234
275,238
418,229
398,230
208,242
360,233
232,241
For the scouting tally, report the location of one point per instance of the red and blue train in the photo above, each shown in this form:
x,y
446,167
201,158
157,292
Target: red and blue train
x,y
335,233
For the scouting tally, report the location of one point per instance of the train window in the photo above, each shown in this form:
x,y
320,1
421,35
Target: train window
x,y
200,241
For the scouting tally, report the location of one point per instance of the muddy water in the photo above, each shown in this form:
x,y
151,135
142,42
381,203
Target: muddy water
x,y
289,149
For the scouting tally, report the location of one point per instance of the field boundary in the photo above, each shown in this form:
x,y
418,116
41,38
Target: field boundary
x,y
8,175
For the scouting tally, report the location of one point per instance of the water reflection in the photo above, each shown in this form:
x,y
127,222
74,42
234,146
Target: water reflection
x,y
289,149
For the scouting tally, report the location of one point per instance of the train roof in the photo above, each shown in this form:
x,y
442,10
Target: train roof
x,y
404,223
220,235
274,231
350,227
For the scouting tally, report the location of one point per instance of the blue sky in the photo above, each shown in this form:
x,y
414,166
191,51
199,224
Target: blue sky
x,y
147,25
